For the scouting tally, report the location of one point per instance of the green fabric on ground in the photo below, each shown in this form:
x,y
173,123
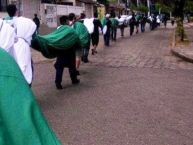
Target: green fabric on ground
x,y
21,121
61,39
83,34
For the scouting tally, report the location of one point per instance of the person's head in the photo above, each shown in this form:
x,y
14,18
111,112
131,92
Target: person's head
x,y
35,15
64,20
11,10
72,17
82,16
95,15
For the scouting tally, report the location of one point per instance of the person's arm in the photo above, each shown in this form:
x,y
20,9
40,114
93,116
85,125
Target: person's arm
x,y
100,25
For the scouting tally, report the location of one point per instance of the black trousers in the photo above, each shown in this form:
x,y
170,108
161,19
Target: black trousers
x,y
65,60
131,30
114,33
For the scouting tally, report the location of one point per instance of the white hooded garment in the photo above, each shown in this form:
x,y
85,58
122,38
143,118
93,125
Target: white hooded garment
x,y
25,28
7,36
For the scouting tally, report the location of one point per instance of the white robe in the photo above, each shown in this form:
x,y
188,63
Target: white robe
x,y
7,36
25,28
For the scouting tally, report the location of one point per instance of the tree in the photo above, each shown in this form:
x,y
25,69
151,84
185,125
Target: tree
x,y
142,8
188,8
179,13
179,8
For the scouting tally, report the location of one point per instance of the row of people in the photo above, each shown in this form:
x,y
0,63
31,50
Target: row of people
x,y
22,122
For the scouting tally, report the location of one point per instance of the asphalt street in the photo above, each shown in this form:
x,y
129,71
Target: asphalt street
x,y
134,92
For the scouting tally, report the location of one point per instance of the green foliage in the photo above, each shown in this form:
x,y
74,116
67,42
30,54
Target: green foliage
x,y
164,8
188,6
133,7
142,8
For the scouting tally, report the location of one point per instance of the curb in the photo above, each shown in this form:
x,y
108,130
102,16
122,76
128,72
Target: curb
x,y
181,55
177,53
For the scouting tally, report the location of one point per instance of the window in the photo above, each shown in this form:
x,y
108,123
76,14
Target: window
x,y
3,5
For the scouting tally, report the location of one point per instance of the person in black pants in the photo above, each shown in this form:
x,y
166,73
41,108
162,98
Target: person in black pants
x,y
66,59
95,34
85,51
108,31
132,24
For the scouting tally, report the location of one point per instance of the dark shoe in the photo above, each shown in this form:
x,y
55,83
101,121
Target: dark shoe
x,y
93,52
86,61
59,86
77,73
77,81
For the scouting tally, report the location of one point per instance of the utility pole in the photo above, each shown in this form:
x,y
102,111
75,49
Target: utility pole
x,y
137,3
148,5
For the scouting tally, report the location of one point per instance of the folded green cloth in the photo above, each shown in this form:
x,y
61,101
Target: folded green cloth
x,y
83,34
21,121
63,38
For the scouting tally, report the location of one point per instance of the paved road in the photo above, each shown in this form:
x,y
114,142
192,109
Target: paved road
x,y
132,93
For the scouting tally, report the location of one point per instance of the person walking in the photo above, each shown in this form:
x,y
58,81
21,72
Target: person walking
x,y
165,19
114,26
37,22
95,34
137,20
24,29
143,22
121,25
132,24
85,49
107,30
64,59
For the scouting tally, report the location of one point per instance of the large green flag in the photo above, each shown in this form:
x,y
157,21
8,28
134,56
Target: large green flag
x,y
21,121
61,39
83,34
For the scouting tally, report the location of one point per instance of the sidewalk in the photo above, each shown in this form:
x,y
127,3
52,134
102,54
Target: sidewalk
x,y
186,53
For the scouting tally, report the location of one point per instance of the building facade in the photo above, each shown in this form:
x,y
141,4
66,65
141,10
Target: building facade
x,y
49,10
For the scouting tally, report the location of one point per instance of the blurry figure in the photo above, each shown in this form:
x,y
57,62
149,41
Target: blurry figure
x,y
158,20
37,22
95,34
132,24
121,26
143,22
114,25
137,19
107,30
172,21
85,50
165,19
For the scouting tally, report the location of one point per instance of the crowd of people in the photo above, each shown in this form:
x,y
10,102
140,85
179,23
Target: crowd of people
x,y
73,39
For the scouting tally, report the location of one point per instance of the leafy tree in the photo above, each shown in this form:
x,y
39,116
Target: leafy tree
x,y
188,8
142,8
